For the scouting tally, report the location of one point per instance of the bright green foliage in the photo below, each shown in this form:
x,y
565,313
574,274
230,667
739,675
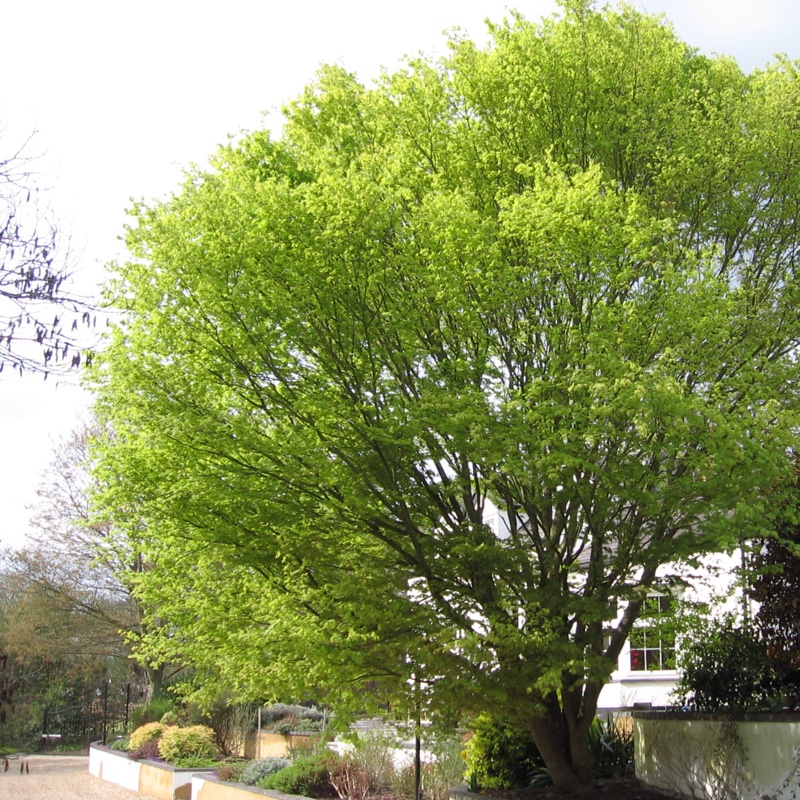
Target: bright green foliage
x,y
196,741
148,732
500,755
558,273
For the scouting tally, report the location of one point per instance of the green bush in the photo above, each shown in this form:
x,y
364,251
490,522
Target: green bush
x,y
254,771
145,734
306,776
152,712
500,755
196,741
724,666
122,744
170,718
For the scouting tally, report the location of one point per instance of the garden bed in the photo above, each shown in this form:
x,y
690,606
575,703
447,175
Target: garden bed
x,y
747,755
153,778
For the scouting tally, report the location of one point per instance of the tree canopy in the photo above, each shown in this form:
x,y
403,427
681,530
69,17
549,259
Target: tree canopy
x,y
556,274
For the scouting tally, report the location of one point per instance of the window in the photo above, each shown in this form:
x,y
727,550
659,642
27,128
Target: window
x,y
652,640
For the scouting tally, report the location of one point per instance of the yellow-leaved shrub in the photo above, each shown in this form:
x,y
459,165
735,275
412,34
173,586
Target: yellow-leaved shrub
x,y
196,741
144,734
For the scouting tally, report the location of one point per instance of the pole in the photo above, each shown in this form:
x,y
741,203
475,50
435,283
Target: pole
x,y
105,709
417,744
44,730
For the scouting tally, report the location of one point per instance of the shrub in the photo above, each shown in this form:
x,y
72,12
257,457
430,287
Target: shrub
x,y
611,748
231,771
149,750
445,771
349,778
152,712
307,725
119,744
144,734
437,776
231,723
724,666
374,752
295,713
170,718
196,741
285,726
254,771
500,755
306,776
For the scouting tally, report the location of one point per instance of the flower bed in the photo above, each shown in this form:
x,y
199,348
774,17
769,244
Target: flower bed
x,y
746,756
152,778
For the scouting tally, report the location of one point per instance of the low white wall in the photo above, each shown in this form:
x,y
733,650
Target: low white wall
x,y
147,777
747,756
114,767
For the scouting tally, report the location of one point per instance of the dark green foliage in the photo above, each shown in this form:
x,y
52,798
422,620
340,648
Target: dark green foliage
x,y
306,776
256,770
152,712
611,748
776,587
724,666
500,755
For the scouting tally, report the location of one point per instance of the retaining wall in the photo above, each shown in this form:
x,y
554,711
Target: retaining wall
x,y
747,756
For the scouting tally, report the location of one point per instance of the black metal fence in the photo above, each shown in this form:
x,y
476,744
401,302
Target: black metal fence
x,y
104,715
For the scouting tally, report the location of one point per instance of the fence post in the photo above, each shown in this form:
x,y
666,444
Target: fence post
x,y
44,730
105,708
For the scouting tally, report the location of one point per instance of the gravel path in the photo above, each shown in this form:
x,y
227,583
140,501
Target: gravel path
x,y
57,778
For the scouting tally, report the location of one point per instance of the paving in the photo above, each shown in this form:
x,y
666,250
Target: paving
x,y
57,778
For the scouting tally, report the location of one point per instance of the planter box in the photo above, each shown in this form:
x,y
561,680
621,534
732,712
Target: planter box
x,y
206,788
152,778
747,756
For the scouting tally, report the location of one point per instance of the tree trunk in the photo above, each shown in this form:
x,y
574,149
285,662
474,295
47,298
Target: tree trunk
x,y
155,681
564,748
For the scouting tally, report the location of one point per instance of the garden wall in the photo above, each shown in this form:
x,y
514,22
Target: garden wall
x,y
274,745
205,788
742,756
152,778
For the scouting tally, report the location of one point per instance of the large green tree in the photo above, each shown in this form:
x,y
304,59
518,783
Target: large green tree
x,y
557,274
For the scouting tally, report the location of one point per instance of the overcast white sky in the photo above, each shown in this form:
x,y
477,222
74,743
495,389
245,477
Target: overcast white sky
x,y
123,94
